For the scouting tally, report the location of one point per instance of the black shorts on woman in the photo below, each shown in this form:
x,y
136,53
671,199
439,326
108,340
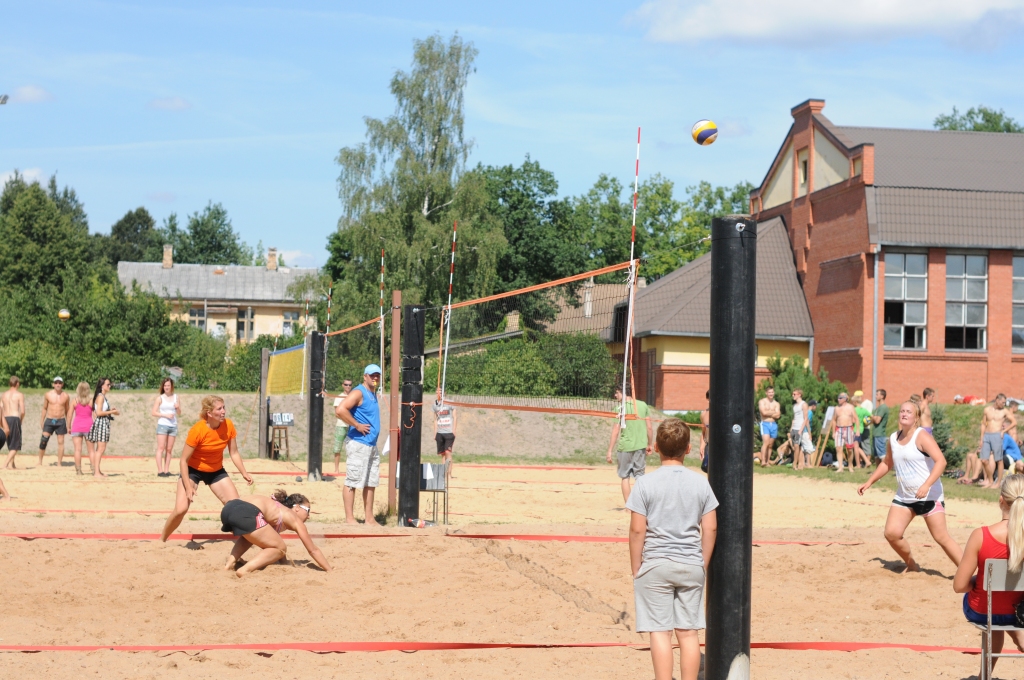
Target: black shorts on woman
x,y
241,517
210,478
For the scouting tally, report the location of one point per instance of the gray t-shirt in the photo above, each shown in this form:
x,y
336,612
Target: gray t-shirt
x,y
673,498
445,414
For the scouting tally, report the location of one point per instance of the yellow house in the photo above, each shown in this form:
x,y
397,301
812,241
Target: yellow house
x,y
230,301
672,323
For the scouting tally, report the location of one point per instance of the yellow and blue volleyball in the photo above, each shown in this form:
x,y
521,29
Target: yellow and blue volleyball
x,y
704,132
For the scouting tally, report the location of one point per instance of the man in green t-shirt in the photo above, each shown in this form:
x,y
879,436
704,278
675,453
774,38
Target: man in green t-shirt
x,y
634,442
880,420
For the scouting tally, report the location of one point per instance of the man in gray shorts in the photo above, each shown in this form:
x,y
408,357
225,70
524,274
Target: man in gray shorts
x,y
672,532
634,442
995,421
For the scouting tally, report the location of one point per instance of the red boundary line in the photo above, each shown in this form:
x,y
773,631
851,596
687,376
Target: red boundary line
x,y
326,647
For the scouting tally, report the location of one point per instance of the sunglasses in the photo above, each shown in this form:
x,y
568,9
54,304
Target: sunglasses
x,y
346,384
304,508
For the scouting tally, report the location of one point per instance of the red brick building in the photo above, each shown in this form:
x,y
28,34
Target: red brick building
x,y
909,247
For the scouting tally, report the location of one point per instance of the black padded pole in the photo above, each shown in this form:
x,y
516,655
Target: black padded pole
x,y
731,462
315,456
412,414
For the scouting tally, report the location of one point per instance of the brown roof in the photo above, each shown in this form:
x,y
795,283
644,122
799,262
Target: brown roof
x,y
598,317
680,303
942,187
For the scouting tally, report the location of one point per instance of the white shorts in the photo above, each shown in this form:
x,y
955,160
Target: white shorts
x,y
362,465
668,596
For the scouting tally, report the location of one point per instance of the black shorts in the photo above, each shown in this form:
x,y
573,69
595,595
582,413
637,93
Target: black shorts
x,y
55,426
922,507
209,477
240,518
445,442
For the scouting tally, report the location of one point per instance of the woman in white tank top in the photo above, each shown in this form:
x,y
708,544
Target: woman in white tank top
x,y
918,462
166,410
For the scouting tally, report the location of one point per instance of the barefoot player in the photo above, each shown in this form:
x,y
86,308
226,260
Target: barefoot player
x,y
13,404
54,419
770,413
259,521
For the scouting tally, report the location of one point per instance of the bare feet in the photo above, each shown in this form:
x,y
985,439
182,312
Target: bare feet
x,y
351,521
371,522
912,566
230,563
99,475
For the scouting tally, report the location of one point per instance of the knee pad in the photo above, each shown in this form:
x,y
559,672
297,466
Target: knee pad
x,y
43,441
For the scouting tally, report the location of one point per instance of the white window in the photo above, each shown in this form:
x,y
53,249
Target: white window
x,y
906,300
243,330
966,295
1018,303
291,323
197,318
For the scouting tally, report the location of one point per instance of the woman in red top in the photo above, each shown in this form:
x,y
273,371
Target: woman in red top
x,y
1003,540
202,460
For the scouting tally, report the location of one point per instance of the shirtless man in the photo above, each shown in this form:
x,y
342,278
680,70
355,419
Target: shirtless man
x,y
800,431
995,422
846,419
56,419
770,413
13,404
927,397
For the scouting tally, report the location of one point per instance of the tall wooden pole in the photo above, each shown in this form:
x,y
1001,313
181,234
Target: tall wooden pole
x,y
412,414
262,448
315,454
396,405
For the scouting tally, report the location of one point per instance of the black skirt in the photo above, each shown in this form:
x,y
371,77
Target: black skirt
x,y
241,518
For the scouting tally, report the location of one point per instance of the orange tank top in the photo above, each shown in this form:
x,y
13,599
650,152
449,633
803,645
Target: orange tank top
x,y
209,445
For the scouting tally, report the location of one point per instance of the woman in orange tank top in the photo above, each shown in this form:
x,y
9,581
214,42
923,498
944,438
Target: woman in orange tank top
x,y
1003,540
202,460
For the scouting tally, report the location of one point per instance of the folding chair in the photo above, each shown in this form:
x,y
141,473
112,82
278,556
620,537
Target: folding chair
x,y
997,579
434,478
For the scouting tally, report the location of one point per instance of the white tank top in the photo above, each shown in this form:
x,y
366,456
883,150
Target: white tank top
x,y
798,416
912,467
168,414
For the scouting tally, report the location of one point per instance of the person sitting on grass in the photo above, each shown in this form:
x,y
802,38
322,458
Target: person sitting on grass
x,y
1003,540
972,469
672,531
259,521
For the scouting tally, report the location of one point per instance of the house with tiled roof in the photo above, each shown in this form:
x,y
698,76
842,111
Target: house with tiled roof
x,y
672,323
235,302
909,248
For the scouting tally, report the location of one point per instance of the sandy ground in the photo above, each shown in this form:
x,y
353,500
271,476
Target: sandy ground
x,y
433,587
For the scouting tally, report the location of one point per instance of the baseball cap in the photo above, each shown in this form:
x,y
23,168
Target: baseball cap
x,y
858,393
371,369
58,379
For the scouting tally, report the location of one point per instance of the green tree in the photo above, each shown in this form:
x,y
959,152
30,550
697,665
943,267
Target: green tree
x,y
978,119
404,187
133,238
212,240
43,235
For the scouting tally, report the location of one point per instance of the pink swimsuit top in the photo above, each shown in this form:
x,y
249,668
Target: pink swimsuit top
x,y
261,521
82,421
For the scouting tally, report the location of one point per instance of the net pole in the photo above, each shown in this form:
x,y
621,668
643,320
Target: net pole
x,y
628,338
448,312
380,387
327,333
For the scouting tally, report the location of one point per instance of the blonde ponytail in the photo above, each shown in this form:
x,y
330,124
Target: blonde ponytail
x,y
1012,493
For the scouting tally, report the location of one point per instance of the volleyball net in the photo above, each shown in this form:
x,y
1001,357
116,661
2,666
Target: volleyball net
x,y
351,349
288,371
557,347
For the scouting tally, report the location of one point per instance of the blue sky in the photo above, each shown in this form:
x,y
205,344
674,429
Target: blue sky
x,y
171,105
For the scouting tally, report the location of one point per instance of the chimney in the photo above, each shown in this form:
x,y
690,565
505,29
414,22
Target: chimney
x,y
168,256
641,282
271,259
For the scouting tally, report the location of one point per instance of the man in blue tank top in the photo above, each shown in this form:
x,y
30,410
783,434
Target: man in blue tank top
x,y
361,412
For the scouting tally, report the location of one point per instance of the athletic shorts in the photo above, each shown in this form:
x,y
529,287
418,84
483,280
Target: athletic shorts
x,y
668,596
169,430
362,465
209,478
844,436
880,447
632,463
241,517
769,429
923,508
445,442
340,438
14,438
54,426
992,444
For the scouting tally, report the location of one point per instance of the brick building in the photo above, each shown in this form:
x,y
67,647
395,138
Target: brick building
x,y
909,247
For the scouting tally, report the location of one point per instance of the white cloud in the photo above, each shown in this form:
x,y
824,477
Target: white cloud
x,y
30,94
28,174
794,21
297,258
170,104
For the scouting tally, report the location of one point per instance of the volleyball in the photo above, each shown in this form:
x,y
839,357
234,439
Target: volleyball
x,y
64,315
704,132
